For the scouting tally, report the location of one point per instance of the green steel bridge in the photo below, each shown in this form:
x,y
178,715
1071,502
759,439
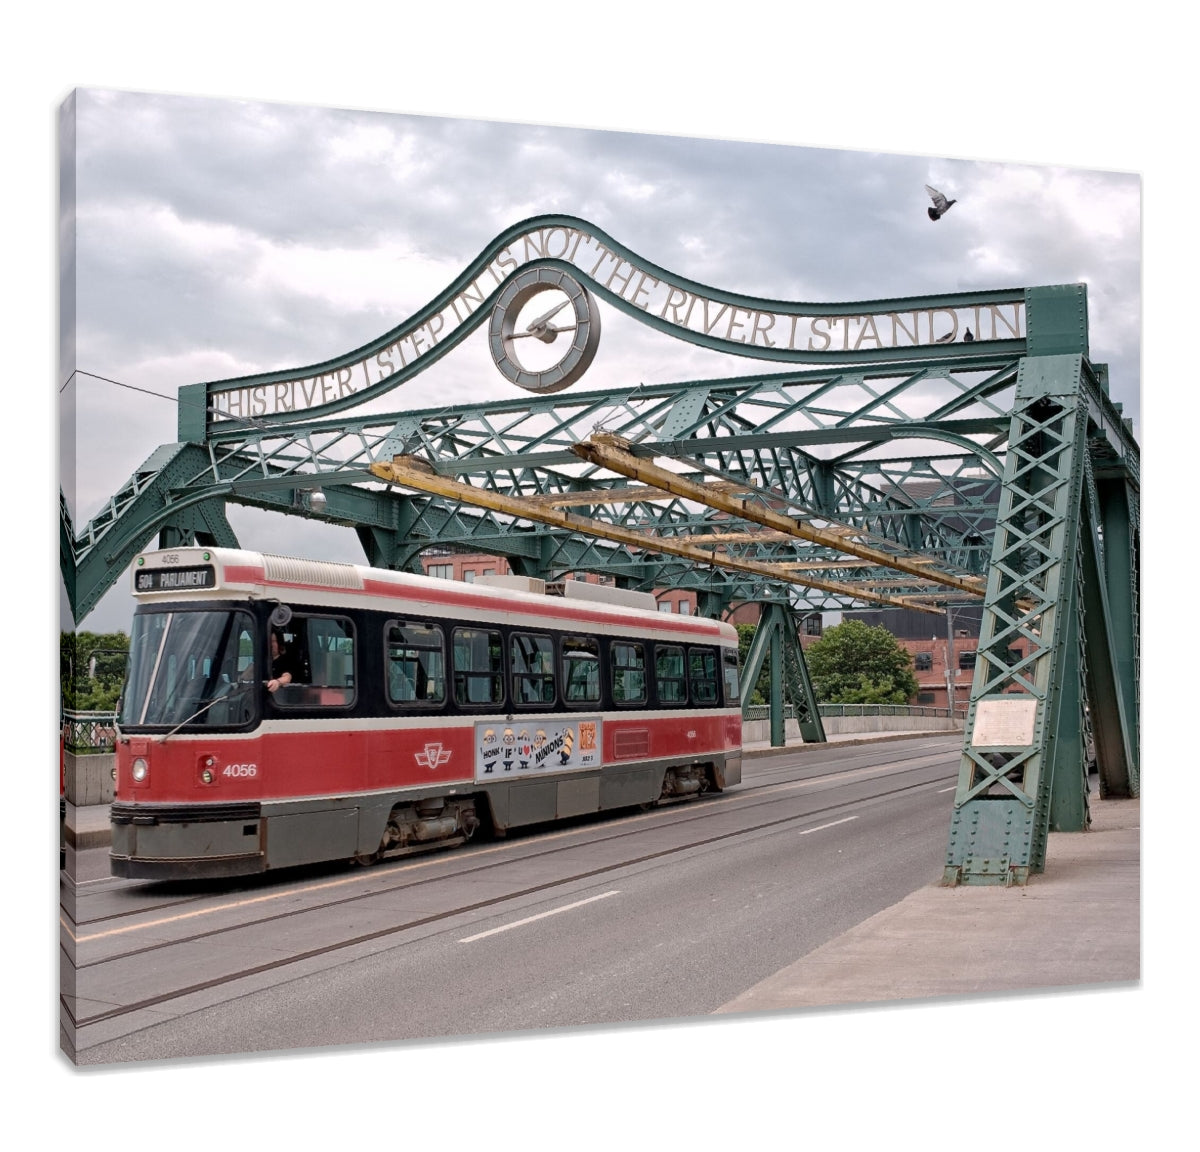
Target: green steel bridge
x,y
923,452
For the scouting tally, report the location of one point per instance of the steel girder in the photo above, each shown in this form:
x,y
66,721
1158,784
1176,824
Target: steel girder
x,y
733,433
1024,767
814,444
777,639
92,561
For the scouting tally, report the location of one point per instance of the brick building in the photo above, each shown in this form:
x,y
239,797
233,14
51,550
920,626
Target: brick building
x,y
933,647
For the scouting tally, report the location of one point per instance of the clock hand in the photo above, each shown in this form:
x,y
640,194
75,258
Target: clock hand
x,y
546,334
547,317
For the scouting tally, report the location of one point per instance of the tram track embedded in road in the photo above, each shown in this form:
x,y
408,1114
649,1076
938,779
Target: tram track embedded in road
x,y
693,813
679,812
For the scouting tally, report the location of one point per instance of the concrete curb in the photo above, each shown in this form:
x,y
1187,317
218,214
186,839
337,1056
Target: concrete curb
x,y
82,840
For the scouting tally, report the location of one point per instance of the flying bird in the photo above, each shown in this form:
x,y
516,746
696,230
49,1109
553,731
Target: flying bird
x,y
940,204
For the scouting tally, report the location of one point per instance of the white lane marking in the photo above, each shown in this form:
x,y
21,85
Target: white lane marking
x,y
436,858
362,877
952,788
282,894
834,824
539,916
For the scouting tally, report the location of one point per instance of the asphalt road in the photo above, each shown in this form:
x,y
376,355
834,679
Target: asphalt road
x,y
651,916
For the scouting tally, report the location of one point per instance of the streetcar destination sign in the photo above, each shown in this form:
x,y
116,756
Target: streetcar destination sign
x,y
174,579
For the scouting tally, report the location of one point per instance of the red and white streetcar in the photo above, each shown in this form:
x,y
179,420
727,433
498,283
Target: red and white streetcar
x,y
280,711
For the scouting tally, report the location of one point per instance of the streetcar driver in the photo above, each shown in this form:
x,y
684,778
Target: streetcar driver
x,y
283,665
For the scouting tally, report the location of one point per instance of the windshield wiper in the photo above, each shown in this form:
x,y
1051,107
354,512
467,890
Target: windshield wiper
x,y
234,691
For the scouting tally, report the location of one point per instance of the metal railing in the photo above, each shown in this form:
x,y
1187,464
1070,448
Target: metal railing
x,y
830,711
85,733
888,710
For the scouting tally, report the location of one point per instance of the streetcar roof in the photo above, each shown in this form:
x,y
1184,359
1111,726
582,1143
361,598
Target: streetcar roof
x,y
196,573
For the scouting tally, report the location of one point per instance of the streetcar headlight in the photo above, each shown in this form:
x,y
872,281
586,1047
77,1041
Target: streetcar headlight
x,y
207,776
140,769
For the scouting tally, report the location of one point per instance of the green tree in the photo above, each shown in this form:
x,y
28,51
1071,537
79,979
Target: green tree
x,y
854,663
92,669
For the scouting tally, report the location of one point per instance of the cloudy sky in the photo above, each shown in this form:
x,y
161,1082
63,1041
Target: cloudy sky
x,y
217,238
262,246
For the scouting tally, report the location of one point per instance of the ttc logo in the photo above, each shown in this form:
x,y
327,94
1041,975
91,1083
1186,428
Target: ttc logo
x,y
433,757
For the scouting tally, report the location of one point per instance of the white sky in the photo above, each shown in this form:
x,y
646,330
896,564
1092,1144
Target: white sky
x,y
240,257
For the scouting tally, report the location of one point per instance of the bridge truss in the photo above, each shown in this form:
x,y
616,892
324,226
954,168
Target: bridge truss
x,y
922,476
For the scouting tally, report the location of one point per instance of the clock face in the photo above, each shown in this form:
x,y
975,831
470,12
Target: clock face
x,y
544,330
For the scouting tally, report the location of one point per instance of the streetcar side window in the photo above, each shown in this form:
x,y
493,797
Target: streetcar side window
x,y
581,670
668,675
702,663
628,673
321,650
531,661
733,691
416,663
478,667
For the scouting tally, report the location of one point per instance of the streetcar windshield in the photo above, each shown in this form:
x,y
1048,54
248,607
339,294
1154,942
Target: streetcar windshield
x,y
191,669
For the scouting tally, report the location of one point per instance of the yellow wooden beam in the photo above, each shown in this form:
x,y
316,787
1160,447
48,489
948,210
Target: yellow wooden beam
x,y
821,565
611,452
625,495
767,537
413,472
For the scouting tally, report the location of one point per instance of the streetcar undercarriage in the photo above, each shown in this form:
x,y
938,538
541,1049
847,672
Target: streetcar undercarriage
x,y
169,842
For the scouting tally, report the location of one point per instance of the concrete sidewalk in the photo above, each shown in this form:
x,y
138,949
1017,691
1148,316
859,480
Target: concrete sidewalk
x,y
1078,923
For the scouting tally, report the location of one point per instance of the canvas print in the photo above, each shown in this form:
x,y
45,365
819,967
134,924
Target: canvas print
x,y
518,578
